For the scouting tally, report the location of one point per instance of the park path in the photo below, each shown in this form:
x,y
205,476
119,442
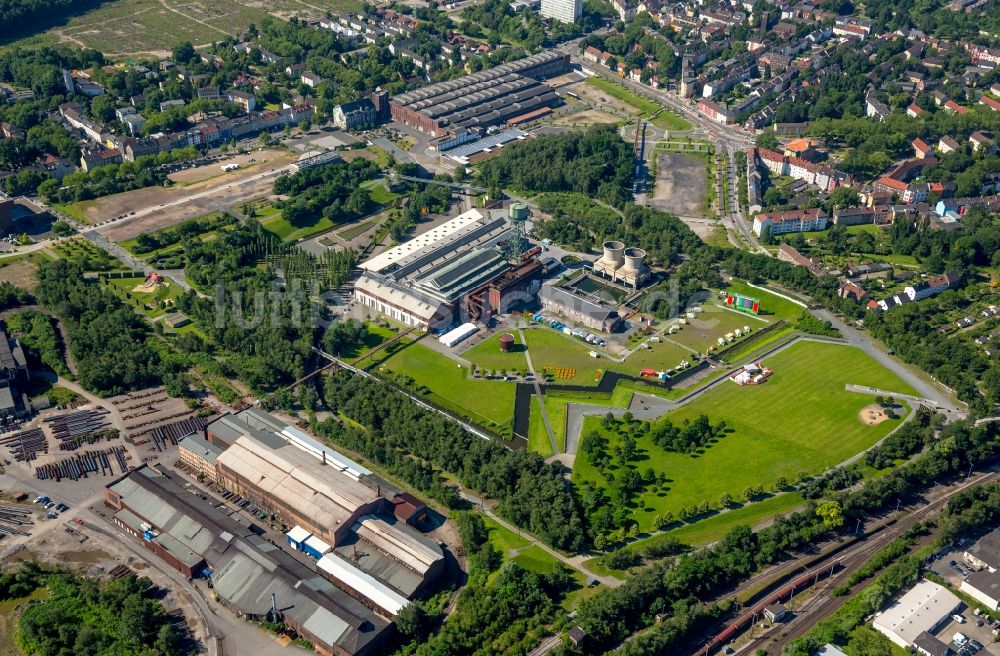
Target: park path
x,y
538,392
575,562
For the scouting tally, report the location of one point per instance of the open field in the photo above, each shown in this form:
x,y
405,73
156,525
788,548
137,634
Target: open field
x,y
378,193
124,27
487,354
585,118
8,620
680,184
664,120
288,231
486,402
772,307
249,162
187,203
538,439
801,421
19,270
110,207
713,528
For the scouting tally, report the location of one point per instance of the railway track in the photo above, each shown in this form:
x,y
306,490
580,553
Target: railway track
x,y
849,555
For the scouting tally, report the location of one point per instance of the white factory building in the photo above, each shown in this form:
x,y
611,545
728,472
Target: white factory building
x,y
924,609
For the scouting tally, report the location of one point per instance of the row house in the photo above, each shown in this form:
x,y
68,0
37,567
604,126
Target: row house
x,y
824,177
718,112
779,223
848,216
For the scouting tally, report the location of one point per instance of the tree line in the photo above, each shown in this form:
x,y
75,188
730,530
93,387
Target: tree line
x,y
418,445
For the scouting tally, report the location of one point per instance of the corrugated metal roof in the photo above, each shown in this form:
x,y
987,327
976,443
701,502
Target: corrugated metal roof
x,y
387,599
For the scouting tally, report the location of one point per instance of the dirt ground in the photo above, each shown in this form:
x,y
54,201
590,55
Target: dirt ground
x,y
198,207
873,415
248,162
117,205
20,273
680,184
586,117
595,95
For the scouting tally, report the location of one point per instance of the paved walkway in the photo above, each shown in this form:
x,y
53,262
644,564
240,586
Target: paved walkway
x,y
932,393
576,562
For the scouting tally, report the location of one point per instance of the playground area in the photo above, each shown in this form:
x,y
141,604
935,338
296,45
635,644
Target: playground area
x,y
873,415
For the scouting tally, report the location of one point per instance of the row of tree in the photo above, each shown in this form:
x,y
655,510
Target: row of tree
x,y
418,445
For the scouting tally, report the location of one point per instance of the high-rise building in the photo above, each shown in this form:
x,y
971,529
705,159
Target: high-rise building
x,y
567,11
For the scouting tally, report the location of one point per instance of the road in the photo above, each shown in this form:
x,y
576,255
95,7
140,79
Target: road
x,y
924,389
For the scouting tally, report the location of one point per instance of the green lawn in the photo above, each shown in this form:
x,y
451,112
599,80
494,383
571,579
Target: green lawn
x,y
665,120
486,402
354,231
772,307
286,231
553,350
378,193
487,354
555,408
538,439
713,528
800,421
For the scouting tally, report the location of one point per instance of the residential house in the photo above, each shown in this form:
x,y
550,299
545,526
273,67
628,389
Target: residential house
x,y
920,149
989,102
92,159
981,142
947,145
874,108
247,101
914,110
955,108
310,79
932,286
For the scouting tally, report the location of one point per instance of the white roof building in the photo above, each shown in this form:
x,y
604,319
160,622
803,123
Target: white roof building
x,y
925,607
386,600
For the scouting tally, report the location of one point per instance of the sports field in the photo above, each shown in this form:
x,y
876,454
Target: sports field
x,y
489,403
801,421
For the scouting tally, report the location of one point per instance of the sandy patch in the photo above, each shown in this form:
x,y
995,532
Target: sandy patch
x,y
246,161
587,117
680,184
873,415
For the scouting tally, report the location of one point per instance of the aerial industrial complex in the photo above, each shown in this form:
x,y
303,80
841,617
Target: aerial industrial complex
x,y
353,559
460,268
460,110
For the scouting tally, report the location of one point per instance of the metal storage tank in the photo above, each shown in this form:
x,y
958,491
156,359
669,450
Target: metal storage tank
x,y
506,342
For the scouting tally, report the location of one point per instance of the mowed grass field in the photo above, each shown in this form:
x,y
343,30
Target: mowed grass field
x,y
664,120
489,403
150,26
487,354
801,421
